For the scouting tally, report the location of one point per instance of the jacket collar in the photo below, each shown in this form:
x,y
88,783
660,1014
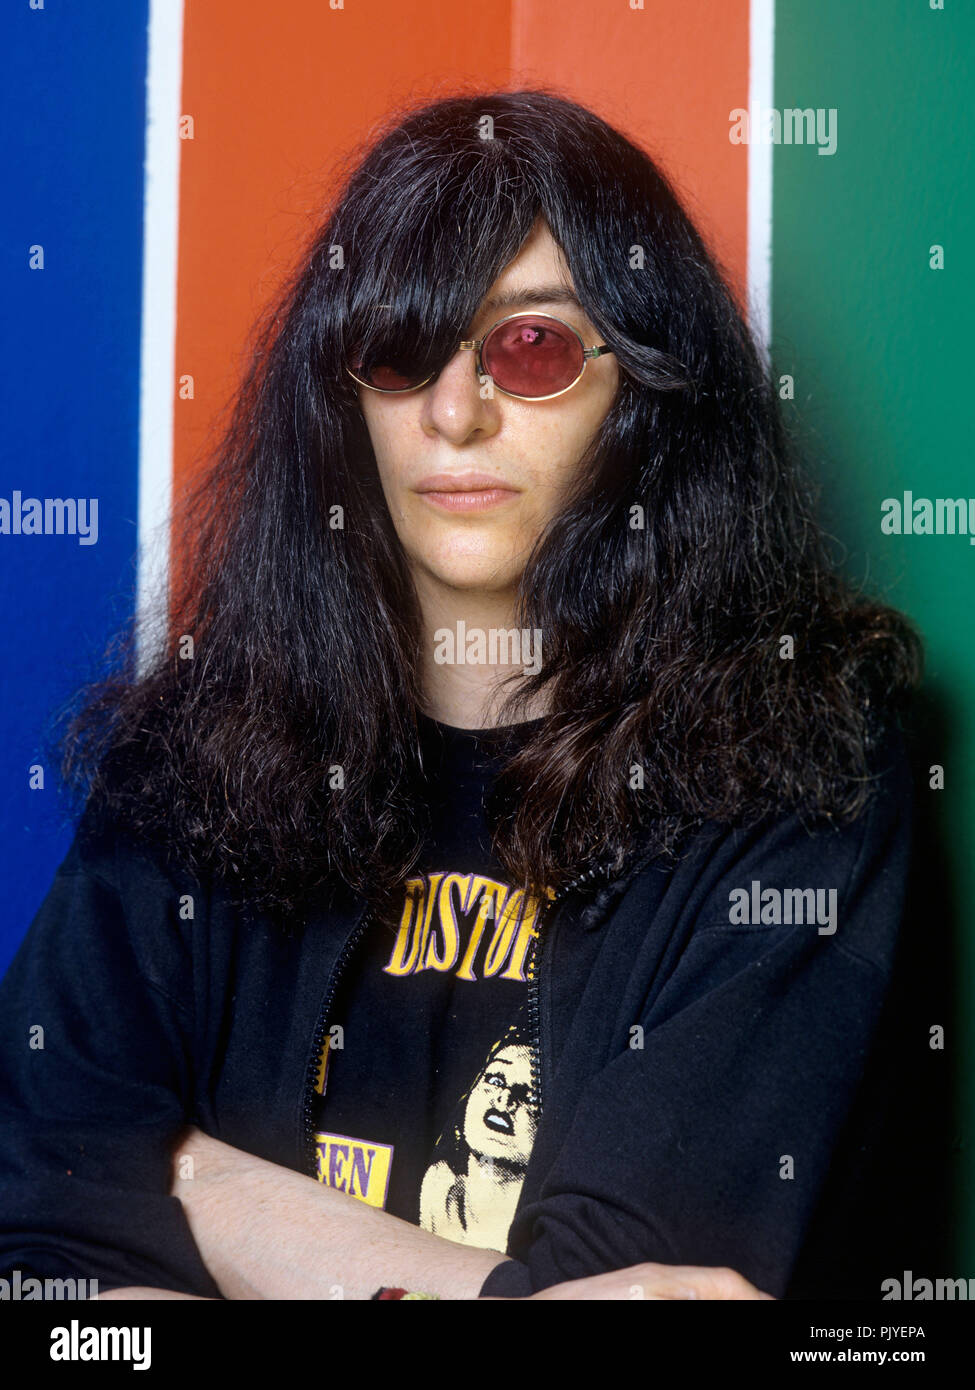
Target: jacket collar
x,y
604,887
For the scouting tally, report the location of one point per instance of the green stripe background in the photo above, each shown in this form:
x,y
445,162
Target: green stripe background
x,y
880,348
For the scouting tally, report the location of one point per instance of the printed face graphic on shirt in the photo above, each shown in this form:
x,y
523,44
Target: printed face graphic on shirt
x,y
471,1189
499,1121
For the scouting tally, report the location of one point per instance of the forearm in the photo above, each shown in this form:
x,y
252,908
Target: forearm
x,y
264,1231
138,1291
267,1232
312,1242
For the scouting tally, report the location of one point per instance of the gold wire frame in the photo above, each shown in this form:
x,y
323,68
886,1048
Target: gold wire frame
x,y
475,345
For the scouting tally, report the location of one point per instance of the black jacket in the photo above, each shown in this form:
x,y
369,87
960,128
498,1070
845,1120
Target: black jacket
x,y
696,1070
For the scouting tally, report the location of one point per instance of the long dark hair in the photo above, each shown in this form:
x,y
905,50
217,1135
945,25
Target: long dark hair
x,y
285,756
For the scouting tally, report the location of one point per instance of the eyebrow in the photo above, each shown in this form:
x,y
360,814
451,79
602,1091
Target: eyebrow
x,y
541,294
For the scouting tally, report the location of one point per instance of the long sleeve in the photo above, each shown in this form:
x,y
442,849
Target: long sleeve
x,y
95,1081
710,1143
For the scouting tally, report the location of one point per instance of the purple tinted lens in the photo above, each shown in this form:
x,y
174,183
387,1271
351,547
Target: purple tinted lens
x,y
384,378
532,356
389,379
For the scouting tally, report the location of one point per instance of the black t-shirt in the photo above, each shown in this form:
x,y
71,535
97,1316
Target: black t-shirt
x,y
425,1101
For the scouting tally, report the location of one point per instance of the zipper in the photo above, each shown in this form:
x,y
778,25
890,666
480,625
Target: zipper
x,y
534,1024
311,1074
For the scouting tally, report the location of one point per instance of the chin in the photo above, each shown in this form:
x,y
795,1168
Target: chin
x,y
480,578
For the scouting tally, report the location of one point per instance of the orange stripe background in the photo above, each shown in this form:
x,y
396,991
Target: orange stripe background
x,y
280,93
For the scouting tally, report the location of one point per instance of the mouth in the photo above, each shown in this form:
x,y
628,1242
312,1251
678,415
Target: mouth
x,y
502,1124
465,492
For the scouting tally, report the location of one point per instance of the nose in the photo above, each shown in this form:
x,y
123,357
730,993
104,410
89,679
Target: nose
x,y
454,406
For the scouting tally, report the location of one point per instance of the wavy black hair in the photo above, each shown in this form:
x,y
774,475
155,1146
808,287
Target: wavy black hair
x,y
662,642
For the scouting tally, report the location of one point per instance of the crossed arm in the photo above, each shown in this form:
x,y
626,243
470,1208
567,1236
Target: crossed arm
x,y
267,1232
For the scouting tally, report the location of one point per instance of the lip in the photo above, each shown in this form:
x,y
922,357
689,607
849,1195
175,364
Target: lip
x,y
465,492
506,1126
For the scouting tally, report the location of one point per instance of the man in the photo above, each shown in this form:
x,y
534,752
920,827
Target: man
x,y
351,834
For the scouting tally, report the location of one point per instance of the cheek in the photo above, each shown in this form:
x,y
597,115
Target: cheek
x,y
387,447
386,425
380,436
558,442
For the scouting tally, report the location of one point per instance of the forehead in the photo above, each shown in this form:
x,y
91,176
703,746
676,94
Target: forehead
x,y
539,274
540,255
510,1059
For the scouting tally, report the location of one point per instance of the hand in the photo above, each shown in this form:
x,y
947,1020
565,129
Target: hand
x,y
655,1281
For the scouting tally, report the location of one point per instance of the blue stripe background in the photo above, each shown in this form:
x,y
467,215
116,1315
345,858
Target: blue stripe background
x,y
73,103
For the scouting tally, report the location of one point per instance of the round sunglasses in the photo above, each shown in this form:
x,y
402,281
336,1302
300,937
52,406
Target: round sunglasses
x,y
532,357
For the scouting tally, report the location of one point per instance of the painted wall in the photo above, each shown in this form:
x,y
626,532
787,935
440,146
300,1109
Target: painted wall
x,y
72,108
880,346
